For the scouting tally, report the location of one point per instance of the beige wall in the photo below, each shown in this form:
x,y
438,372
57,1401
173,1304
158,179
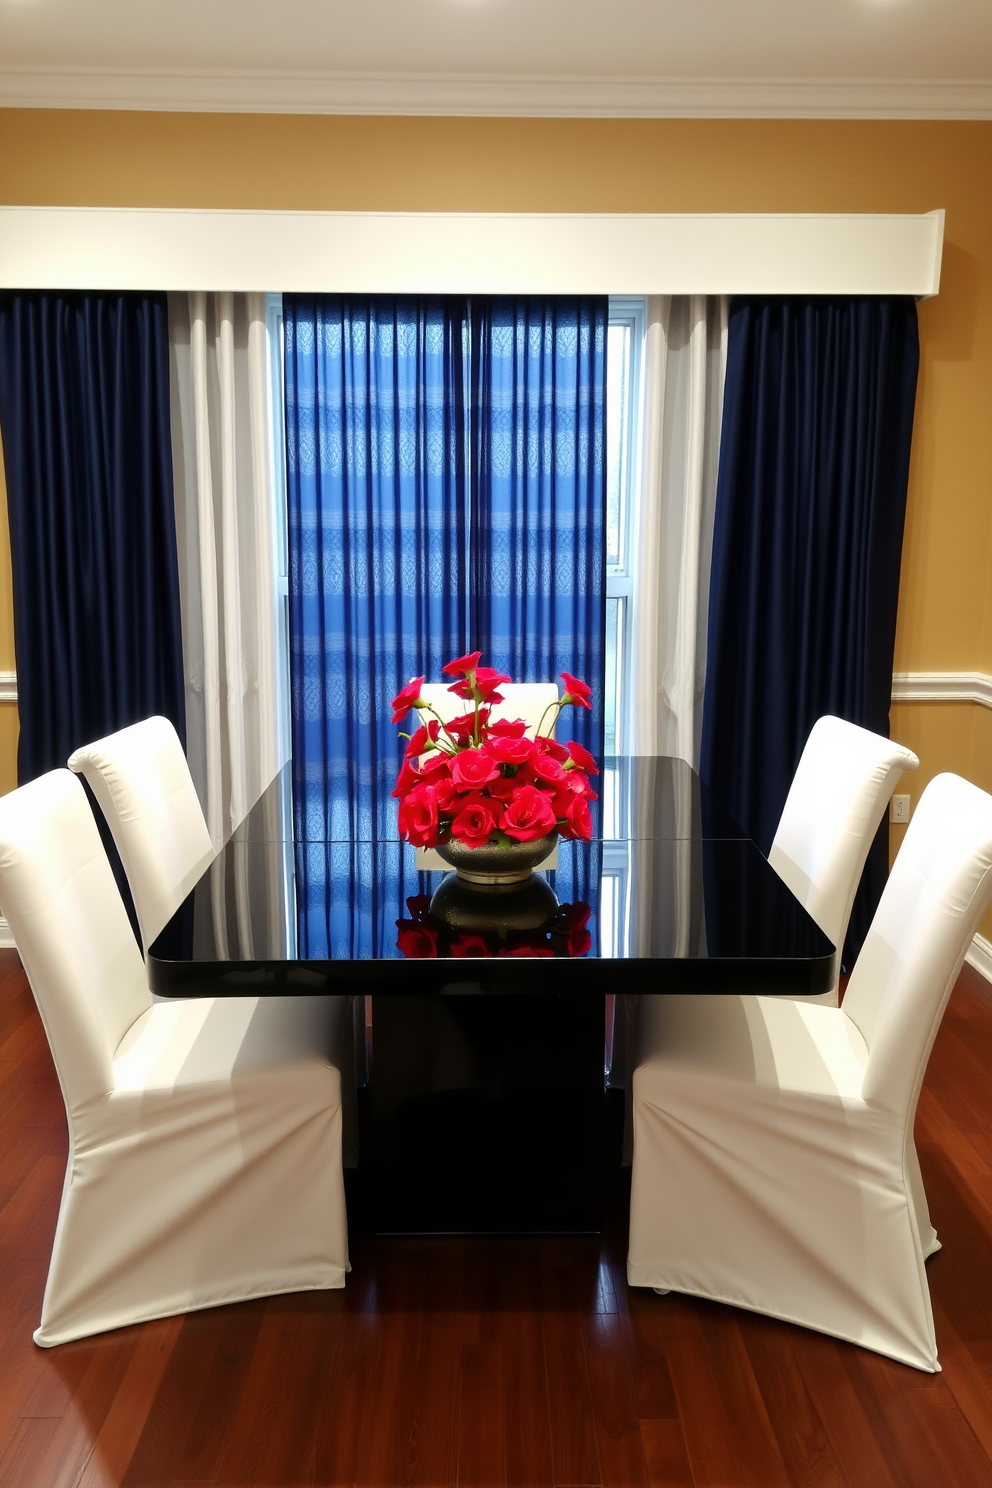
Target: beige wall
x,y
226,160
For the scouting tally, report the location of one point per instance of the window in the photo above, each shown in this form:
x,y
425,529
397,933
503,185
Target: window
x,y
624,378
624,361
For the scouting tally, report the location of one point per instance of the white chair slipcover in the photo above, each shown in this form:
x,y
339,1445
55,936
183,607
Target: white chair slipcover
x,y
835,804
774,1162
142,785
204,1136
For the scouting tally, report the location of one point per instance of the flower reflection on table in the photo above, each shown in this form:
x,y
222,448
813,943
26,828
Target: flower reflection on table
x,y
424,936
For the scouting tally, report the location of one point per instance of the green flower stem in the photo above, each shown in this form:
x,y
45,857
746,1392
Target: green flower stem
x,y
556,704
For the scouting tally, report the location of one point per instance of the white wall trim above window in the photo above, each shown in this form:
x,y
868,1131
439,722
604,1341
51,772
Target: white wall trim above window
x,y
942,687
470,252
501,95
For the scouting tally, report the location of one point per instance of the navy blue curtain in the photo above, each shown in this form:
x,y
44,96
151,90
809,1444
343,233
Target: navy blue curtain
x,y
84,415
407,548
810,508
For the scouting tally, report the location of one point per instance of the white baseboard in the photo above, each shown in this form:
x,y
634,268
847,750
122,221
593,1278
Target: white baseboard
x,y
980,956
6,938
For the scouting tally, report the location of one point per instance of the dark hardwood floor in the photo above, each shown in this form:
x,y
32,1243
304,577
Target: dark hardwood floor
x,y
495,1362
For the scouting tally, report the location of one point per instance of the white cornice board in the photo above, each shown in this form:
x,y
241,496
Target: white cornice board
x,y
470,253
495,95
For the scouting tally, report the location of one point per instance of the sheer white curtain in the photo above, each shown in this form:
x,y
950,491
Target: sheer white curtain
x,y
223,471
684,369
223,407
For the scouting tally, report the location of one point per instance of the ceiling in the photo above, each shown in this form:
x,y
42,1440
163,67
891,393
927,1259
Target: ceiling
x,y
625,57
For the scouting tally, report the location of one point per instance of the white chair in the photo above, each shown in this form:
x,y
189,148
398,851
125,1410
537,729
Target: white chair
x,y
774,1162
204,1136
526,700
835,804
142,785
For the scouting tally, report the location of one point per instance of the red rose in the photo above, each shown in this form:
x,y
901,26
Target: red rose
x,y
505,729
576,691
529,815
407,699
503,788
417,816
551,746
577,781
422,739
579,820
487,679
525,950
579,942
419,908
509,751
462,727
436,767
544,770
482,683
474,823
582,758
470,945
463,666
445,795
471,769
407,780
416,941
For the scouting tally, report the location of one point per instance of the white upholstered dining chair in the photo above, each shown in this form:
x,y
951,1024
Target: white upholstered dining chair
x,y
204,1136
774,1161
526,700
835,805
142,785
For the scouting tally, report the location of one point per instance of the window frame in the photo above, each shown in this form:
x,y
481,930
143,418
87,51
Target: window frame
x,y
629,311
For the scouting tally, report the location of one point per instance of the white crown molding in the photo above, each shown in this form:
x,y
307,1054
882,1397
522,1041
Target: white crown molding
x,y
8,687
470,252
942,687
511,95
980,956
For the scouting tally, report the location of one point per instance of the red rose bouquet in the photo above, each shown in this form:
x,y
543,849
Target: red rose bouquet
x,y
477,781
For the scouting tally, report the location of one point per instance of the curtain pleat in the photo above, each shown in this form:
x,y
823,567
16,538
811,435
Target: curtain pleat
x,y
84,415
814,465
224,515
685,364
537,442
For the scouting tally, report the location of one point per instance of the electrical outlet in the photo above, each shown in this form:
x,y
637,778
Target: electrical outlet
x,y
900,809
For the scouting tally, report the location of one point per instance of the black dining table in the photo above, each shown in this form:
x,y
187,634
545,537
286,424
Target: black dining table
x,y
489,1005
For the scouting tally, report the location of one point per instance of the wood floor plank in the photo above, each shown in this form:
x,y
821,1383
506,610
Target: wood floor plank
x,y
618,1432
574,1453
118,1437
665,1454
481,1430
526,1409
706,1430
758,1451
802,1437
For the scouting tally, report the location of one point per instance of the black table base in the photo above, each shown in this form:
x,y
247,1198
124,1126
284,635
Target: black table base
x,y
488,1113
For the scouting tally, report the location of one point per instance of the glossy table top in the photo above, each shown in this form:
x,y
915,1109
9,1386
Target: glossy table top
x,y
670,892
